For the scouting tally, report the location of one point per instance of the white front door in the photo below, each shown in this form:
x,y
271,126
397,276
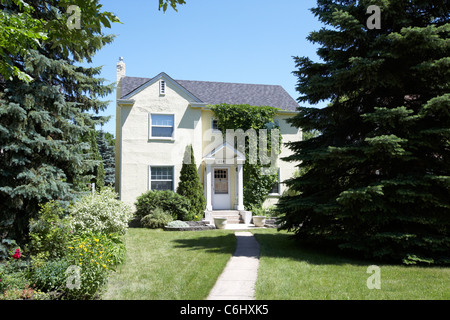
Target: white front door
x,y
221,197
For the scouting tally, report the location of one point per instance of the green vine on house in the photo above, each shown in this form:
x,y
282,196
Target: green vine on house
x,y
256,183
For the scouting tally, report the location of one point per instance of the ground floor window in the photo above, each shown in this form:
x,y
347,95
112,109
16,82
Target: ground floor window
x,y
161,178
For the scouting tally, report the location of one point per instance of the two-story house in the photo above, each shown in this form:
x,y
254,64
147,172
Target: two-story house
x,y
157,118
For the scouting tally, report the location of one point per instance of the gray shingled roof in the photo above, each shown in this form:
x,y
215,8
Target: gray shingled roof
x,y
224,92
129,84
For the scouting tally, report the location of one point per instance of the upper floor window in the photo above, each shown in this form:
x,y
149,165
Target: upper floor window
x,y
162,125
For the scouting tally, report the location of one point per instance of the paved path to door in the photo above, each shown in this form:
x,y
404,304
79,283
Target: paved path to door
x,y
237,282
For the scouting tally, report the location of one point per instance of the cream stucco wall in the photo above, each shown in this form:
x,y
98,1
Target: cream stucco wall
x,y
138,151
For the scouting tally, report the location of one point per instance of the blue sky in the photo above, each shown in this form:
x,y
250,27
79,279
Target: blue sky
x,y
244,41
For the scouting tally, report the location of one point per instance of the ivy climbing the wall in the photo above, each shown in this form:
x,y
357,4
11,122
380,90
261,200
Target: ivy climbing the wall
x,y
258,181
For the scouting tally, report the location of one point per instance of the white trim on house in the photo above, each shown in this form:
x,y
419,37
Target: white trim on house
x,y
126,102
211,157
212,163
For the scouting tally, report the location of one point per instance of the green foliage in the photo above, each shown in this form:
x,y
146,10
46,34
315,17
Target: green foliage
x,y
19,32
95,254
97,170
50,232
158,219
100,212
377,178
42,121
163,4
257,184
105,143
191,187
176,205
12,277
6,246
51,276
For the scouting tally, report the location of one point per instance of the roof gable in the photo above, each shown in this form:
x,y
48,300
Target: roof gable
x,y
223,152
132,85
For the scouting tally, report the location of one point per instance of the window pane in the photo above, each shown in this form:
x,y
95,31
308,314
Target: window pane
x,y
165,132
161,178
275,188
161,185
162,120
162,173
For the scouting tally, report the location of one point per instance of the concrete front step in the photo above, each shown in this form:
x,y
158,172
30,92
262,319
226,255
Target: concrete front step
x,y
233,217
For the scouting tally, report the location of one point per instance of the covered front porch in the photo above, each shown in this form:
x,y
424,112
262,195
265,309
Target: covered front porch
x,y
224,185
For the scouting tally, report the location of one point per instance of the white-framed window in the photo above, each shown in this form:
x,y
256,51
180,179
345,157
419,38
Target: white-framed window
x,y
162,126
161,178
276,189
162,87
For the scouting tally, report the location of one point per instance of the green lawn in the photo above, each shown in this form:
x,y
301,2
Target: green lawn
x,y
169,265
287,272
164,265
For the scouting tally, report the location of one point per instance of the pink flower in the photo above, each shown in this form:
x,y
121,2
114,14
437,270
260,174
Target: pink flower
x,y
17,254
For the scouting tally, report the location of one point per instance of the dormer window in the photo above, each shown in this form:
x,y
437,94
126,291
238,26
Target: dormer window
x,y
162,87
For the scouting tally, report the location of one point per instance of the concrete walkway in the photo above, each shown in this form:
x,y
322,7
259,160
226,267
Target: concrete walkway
x,y
241,226
237,282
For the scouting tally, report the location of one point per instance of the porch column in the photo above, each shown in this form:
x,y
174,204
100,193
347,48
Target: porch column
x,y
208,187
240,206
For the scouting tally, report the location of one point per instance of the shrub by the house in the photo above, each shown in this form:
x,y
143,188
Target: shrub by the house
x,y
191,187
158,219
176,205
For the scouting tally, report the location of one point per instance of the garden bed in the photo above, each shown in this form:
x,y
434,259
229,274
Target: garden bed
x,y
192,226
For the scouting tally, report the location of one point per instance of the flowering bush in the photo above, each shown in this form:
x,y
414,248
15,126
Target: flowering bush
x,y
101,213
92,256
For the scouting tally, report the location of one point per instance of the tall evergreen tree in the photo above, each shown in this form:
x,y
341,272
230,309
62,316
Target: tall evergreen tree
x,y
97,171
190,185
106,151
43,119
378,175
